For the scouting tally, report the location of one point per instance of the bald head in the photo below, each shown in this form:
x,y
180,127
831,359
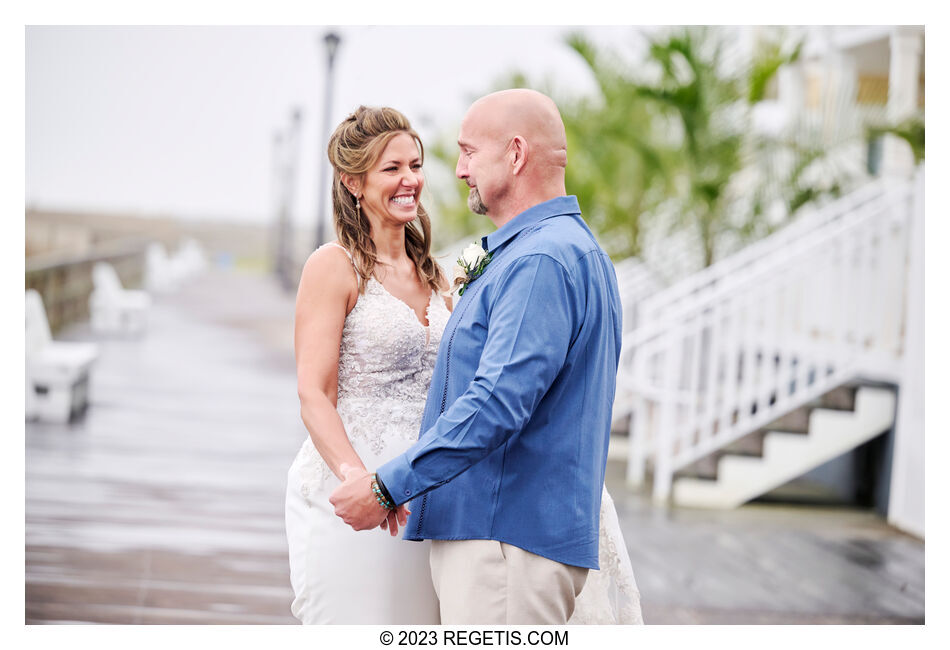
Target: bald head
x,y
513,153
526,113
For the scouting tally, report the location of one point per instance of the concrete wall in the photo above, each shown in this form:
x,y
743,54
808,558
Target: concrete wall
x,y
77,232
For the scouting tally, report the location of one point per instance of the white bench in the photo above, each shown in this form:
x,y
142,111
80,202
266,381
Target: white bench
x,y
164,272
189,260
57,372
114,309
193,255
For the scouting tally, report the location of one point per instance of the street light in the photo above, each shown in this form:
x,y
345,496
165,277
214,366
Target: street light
x,y
332,41
277,180
288,153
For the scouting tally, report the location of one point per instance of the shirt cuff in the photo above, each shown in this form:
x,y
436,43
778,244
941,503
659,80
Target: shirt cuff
x,y
396,474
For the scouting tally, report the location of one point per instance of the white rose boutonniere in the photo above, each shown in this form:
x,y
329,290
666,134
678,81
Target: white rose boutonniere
x,y
469,266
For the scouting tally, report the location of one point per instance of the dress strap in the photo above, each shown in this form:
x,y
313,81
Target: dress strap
x,y
342,248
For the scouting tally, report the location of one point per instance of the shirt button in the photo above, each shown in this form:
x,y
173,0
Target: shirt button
x,y
408,493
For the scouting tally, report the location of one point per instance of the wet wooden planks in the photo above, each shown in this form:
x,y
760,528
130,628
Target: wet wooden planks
x,y
164,504
770,564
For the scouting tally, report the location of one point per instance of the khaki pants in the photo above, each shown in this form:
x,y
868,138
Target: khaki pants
x,y
483,582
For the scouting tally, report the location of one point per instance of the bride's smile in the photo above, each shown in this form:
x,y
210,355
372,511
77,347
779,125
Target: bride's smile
x,y
391,189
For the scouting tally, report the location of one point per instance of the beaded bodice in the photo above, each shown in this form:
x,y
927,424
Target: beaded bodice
x,y
385,367
385,352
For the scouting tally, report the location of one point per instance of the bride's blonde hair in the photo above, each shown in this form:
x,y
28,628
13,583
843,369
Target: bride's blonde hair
x,y
354,148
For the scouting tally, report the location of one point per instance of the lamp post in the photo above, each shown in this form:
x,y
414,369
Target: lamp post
x,y
277,148
332,41
286,152
289,155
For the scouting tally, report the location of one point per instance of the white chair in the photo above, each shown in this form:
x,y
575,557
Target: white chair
x,y
57,372
190,259
114,309
160,276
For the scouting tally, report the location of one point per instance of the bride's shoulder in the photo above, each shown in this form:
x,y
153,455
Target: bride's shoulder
x,y
332,256
329,265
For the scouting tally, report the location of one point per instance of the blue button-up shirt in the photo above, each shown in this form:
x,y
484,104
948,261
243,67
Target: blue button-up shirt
x,y
513,442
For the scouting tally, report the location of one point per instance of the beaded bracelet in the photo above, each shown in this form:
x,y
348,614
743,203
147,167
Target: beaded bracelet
x,y
380,499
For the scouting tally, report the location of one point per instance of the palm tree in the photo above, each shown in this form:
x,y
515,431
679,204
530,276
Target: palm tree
x,y
615,166
668,145
707,99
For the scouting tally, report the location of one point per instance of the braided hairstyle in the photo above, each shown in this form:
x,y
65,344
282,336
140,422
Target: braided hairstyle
x,y
354,148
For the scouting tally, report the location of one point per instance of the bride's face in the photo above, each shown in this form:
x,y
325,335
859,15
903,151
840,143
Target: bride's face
x,y
392,187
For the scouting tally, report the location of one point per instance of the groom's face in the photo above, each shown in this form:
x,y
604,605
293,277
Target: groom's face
x,y
481,164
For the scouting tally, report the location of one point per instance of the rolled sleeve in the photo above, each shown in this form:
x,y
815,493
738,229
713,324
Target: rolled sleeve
x,y
530,329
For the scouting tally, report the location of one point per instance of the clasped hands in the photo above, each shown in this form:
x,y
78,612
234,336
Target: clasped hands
x,y
353,502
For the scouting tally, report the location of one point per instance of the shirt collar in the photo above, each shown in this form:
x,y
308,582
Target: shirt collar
x,y
551,208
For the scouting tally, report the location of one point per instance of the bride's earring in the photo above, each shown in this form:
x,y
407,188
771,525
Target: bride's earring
x,y
357,204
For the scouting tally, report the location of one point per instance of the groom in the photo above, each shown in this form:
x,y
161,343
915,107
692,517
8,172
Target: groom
x,y
507,474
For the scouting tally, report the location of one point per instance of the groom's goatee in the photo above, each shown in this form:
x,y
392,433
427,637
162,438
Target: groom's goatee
x,y
475,203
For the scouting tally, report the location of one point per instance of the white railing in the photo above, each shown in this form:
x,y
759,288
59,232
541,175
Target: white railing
x,y
672,254
705,280
768,329
635,282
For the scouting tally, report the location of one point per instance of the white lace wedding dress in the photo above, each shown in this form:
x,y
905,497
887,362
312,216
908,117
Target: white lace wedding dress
x,y
343,576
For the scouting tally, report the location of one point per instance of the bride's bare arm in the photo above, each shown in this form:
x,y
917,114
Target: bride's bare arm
x,y
327,292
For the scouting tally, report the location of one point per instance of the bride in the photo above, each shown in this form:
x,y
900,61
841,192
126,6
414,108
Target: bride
x,y
370,313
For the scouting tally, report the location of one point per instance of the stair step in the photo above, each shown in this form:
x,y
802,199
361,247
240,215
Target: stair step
x,y
707,466
748,445
788,446
795,421
840,399
704,468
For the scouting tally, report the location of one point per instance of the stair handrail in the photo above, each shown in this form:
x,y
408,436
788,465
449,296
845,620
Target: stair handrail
x,y
758,267
809,220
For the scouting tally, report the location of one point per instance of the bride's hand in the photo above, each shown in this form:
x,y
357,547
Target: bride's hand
x,y
353,500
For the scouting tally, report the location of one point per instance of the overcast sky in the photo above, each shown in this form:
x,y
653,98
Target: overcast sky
x,y
180,120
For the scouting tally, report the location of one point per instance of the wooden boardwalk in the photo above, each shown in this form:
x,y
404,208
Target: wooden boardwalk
x,y
770,564
164,503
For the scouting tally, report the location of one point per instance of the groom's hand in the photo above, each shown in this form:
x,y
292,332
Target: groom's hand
x,y
353,500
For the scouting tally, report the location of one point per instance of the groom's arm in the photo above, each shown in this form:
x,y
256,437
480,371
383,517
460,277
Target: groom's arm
x,y
530,329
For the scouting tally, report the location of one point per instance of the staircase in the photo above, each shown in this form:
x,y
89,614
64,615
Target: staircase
x,y
788,447
773,361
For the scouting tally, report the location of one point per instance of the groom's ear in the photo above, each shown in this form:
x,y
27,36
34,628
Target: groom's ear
x,y
517,154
